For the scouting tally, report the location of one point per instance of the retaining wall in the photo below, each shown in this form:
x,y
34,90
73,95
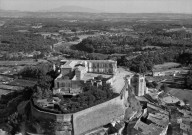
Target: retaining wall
x,y
98,116
86,120
47,115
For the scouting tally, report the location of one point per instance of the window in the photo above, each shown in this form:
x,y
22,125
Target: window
x,y
110,71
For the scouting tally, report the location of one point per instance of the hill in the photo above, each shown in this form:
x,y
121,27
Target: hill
x,y
73,9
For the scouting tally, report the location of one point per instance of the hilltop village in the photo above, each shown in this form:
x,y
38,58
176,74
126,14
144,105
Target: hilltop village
x,y
113,112
110,99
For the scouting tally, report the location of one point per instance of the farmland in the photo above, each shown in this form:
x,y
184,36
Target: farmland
x,y
182,94
22,82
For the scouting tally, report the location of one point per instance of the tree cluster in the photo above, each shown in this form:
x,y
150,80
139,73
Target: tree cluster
x,y
36,72
185,58
188,80
24,42
145,61
91,95
109,44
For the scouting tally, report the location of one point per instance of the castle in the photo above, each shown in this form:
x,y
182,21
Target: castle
x,y
74,73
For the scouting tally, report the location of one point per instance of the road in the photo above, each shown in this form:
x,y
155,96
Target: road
x,y
119,82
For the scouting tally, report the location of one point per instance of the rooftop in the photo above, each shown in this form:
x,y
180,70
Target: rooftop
x,y
157,108
154,123
69,64
72,63
146,129
80,68
159,119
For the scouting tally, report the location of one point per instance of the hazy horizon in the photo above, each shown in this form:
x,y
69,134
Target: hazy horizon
x,y
111,6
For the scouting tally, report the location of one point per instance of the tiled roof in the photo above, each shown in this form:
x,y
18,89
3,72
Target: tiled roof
x,y
146,129
80,68
155,123
161,120
157,108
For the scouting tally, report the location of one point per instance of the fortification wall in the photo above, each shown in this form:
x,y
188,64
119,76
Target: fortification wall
x,y
86,120
41,114
65,120
98,115
47,115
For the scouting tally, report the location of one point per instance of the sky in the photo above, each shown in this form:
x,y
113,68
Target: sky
x,y
114,6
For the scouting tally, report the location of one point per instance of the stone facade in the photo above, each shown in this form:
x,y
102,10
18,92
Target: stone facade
x,y
70,80
86,120
139,84
89,119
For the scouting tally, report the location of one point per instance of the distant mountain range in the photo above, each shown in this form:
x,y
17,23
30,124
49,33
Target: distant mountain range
x,y
76,12
73,9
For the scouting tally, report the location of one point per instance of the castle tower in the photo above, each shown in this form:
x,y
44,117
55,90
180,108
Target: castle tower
x,y
139,84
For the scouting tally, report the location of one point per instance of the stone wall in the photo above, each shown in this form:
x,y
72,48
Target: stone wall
x,y
98,115
41,114
86,120
64,119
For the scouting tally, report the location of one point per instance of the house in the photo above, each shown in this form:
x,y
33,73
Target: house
x,y
154,121
163,72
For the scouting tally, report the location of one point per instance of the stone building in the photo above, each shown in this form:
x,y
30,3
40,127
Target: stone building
x,y
76,72
139,84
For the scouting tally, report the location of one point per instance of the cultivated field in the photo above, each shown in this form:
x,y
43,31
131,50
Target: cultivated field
x,y
9,87
13,63
23,83
182,94
166,65
4,92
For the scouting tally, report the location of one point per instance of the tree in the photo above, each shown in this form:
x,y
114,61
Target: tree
x,y
164,87
186,101
45,82
38,94
188,80
150,85
14,120
155,84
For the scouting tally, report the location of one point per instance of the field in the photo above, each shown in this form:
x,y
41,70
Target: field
x,y
23,83
182,94
150,46
4,92
9,87
166,65
13,63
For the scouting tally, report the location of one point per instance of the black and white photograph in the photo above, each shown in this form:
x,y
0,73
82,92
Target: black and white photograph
x,y
95,67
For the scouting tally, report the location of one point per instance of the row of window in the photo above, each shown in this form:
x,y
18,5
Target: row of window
x,y
63,84
106,65
101,70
